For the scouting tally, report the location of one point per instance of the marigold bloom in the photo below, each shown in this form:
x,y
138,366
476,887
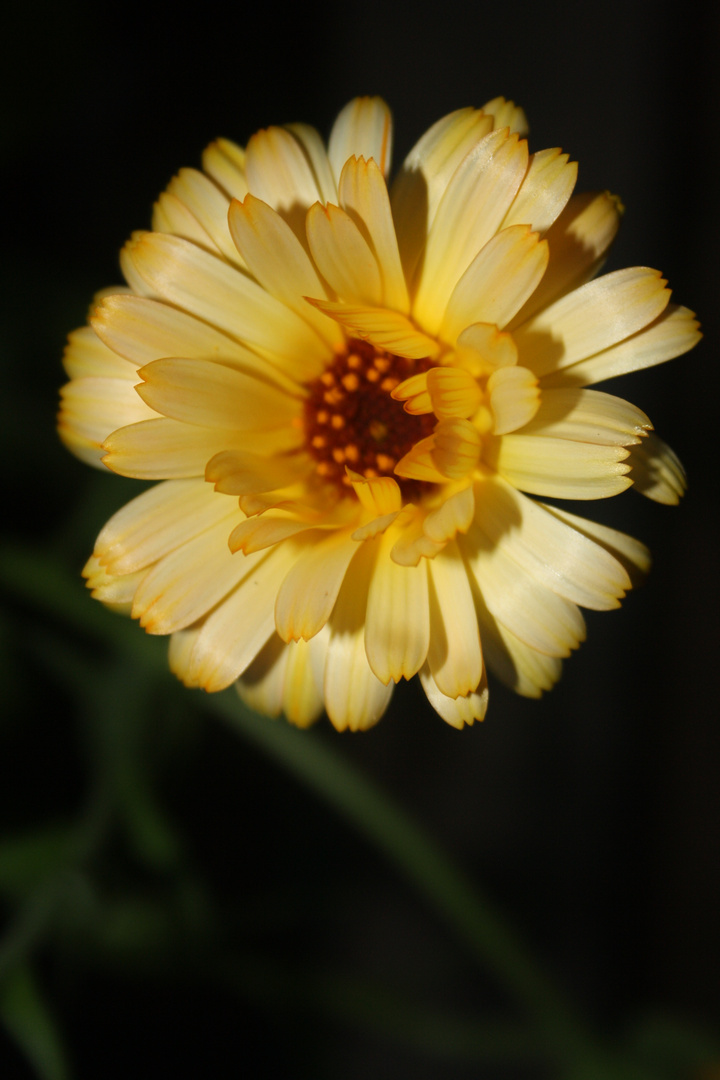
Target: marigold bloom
x,y
350,394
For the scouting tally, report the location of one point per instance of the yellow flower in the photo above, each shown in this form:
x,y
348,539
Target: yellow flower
x,y
350,393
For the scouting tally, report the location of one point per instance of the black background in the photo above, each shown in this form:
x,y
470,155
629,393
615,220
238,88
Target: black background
x,y
592,816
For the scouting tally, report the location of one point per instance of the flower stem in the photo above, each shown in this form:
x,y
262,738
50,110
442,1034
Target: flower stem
x,y
559,1030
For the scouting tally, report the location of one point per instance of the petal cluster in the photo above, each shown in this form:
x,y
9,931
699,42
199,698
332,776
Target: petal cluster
x,y
354,395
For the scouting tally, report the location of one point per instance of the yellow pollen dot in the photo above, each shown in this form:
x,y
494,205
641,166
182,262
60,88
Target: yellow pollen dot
x,y
350,417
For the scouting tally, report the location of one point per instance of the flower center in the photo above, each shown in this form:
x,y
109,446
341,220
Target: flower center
x,y
350,418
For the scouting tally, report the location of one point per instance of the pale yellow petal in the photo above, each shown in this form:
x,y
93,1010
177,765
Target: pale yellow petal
x,y
188,582
506,114
397,623
377,494
456,711
157,522
163,449
544,192
224,161
171,215
425,174
522,668
419,463
578,243
456,448
470,213
212,290
385,329
671,335
314,149
209,205
86,356
559,468
281,679
548,549
214,395
513,397
180,649
279,262
263,532
363,195
235,632
482,347
454,658
592,318
541,618
91,408
453,392
497,282
242,472
355,698
589,416
363,129
343,255
278,172
143,330
656,471
308,593
454,515
631,553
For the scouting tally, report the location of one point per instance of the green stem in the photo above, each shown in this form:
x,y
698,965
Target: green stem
x,y
389,828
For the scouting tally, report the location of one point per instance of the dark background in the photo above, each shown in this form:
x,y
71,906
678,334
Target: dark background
x,y
592,816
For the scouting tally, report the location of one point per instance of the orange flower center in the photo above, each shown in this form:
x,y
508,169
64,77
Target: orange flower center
x,y
350,418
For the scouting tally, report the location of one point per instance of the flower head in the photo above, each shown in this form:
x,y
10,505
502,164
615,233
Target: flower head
x,y
349,393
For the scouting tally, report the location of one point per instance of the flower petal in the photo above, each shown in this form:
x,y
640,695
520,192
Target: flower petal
x,y
542,619
425,174
672,334
397,622
91,408
470,212
656,471
548,549
588,416
454,659
455,711
592,318
278,172
355,698
309,591
559,468
544,192
513,397
363,195
281,679
188,582
207,287
497,282
343,255
385,329
233,634
165,449
157,522
363,129
224,161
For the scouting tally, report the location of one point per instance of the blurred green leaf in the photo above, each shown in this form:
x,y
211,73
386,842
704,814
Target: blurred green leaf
x,y
31,1024
27,860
